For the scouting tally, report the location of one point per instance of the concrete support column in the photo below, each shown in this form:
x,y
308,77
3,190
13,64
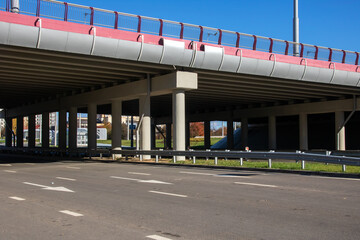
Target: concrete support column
x,y
31,131
272,132
168,136
244,133
62,129
230,134
207,137
20,132
153,135
303,131
92,131
116,112
8,132
340,133
73,128
179,121
145,130
187,134
45,130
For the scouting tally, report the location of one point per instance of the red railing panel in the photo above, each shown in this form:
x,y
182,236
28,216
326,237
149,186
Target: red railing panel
x,y
139,24
220,36
255,41
66,11
182,31
302,50
161,27
116,20
237,39
271,45
201,33
330,54
316,52
38,8
287,48
92,16
344,56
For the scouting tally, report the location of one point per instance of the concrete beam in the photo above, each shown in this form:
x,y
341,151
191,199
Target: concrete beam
x,y
160,85
116,112
92,131
340,132
73,128
20,132
272,132
45,130
284,110
31,131
62,129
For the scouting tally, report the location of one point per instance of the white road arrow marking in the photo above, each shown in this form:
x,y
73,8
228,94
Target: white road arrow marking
x,y
60,189
141,181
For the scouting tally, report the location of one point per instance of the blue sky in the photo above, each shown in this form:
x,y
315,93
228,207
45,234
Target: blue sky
x,y
328,23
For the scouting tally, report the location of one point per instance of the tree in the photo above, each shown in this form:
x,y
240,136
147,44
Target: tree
x,y
196,129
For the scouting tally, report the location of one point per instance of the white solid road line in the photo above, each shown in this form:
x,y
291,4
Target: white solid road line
x,y
157,237
138,173
337,178
197,173
169,194
73,167
17,198
140,181
74,214
68,179
256,184
216,175
10,171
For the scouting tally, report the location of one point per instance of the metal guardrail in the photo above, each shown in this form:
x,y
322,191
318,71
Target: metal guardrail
x,y
129,22
324,157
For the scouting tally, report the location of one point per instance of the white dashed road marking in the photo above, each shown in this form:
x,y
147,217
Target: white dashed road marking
x,y
68,179
74,214
17,198
138,173
256,184
141,181
10,171
169,194
5,165
157,237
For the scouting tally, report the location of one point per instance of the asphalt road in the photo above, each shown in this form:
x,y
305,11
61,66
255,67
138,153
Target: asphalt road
x,y
92,200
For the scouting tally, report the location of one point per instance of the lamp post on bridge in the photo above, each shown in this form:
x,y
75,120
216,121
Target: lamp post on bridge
x,y
296,28
15,6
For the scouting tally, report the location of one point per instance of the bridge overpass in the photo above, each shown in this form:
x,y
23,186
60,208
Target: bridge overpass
x,y
66,58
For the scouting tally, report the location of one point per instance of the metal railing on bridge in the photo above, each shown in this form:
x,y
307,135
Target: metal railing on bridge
x,y
129,22
327,157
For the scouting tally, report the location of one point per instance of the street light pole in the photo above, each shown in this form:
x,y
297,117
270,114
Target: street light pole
x,y
15,6
296,28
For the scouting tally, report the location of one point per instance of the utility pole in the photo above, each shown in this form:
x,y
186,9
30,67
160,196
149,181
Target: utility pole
x,y
296,28
15,6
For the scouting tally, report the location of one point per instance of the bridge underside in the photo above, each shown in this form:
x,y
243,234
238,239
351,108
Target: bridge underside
x,y
31,77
